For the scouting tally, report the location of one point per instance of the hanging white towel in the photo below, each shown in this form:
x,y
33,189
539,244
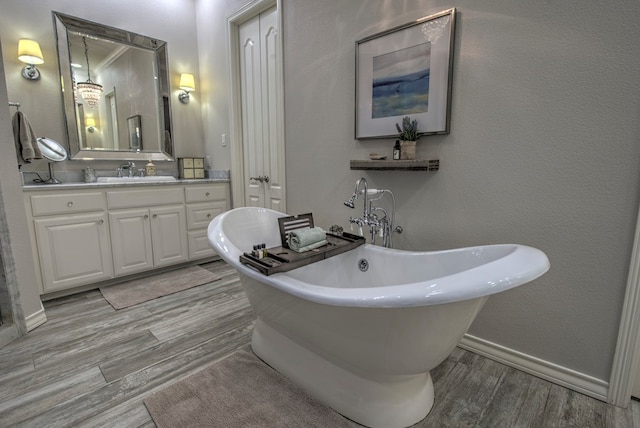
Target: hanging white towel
x,y
26,142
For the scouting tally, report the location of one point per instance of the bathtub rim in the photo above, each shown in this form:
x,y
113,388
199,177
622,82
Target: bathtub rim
x,y
478,282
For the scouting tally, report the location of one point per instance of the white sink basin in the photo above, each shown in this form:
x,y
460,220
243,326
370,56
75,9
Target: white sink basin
x,y
147,179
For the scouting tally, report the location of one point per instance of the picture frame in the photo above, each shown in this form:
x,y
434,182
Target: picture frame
x,y
134,128
406,71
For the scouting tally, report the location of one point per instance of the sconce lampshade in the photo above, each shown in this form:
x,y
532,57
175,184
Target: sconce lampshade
x,y
187,82
90,122
29,52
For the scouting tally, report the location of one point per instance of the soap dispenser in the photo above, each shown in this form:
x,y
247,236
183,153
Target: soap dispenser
x,y
396,150
150,168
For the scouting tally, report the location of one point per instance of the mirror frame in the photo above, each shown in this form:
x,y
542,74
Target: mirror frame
x,y
62,24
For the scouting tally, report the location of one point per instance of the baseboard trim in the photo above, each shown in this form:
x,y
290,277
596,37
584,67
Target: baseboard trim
x,y
36,319
546,370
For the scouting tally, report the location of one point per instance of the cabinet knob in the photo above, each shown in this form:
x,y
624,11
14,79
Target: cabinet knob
x,y
70,204
207,194
101,222
154,216
146,216
208,215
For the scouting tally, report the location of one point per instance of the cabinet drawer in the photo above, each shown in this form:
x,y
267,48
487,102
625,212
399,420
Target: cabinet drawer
x,y
66,203
214,192
144,198
199,245
200,215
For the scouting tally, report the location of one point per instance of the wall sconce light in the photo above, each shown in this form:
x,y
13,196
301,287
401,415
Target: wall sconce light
x,y
91,124
29,52
187,84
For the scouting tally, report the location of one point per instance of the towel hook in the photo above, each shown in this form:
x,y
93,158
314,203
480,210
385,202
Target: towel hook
x,y
16,105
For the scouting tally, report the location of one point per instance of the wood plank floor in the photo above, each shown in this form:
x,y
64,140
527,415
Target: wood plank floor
x,y
91,366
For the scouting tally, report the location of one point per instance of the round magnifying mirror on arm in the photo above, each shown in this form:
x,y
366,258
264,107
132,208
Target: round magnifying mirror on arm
x,y
54,152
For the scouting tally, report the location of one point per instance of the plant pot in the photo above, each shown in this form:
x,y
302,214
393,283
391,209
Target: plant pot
x,y
407,150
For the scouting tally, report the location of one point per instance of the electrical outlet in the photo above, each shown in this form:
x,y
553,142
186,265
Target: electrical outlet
x,y
224,140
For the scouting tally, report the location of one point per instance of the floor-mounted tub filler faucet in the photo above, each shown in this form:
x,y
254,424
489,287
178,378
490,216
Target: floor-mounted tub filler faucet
x,y
379,226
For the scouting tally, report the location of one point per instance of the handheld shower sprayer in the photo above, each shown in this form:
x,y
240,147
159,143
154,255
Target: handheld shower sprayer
x,y
351,202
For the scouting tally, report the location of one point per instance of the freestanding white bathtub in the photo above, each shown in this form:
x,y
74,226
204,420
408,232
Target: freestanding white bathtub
x,y
364,342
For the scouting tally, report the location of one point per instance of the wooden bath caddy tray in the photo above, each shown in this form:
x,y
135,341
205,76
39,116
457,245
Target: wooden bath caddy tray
x,y
283,259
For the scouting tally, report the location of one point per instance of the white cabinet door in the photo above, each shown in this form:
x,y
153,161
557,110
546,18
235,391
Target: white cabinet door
x,y
168,235
73,250
199,245
145,238
131,241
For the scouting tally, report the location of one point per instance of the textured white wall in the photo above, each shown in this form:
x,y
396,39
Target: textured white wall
x,y
543,151
211,18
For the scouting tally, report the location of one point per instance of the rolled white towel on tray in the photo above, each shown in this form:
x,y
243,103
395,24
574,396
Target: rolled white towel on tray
x,y
307,239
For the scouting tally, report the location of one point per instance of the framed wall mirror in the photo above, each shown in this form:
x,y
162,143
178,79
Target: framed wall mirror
x,y
109,76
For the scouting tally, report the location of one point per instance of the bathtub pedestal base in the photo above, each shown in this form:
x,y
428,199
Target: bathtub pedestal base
x,y
373,400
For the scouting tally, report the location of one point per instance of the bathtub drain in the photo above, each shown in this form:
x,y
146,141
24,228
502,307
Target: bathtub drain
x,y
363,265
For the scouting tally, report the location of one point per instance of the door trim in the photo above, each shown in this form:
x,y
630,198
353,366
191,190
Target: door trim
x,y
234,21
625,365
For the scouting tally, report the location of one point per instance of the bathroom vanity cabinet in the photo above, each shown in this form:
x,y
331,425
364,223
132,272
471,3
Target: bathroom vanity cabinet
x,y
147,228
85,234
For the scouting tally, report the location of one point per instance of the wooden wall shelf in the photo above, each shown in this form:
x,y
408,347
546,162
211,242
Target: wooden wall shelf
x,y
397,165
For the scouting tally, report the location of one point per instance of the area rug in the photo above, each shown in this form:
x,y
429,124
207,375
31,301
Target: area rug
x,y
144,289
239,391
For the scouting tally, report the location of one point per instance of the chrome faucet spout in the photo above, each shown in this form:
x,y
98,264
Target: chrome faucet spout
x,y
363,181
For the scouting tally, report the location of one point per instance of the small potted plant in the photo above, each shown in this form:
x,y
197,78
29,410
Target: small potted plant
x,y
408,135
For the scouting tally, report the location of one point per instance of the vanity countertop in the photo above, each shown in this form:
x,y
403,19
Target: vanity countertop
x,y
82,185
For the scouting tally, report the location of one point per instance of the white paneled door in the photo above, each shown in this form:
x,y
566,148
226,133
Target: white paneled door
x,y
261,99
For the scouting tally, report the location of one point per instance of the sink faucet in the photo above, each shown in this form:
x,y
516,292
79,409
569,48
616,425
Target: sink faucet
x,y
129,167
